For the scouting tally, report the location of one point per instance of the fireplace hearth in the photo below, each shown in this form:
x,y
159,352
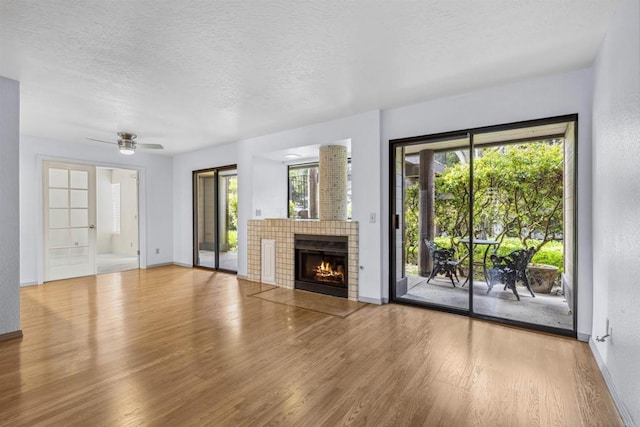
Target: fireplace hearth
x,y
321,264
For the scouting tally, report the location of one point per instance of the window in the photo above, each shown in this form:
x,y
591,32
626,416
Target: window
x,y
304,191
115,203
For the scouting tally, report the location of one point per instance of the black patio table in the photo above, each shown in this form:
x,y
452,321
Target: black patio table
x,y
483,264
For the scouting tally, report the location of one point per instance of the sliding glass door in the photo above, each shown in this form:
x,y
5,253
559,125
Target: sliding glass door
x,y
430,216
215,218
482,223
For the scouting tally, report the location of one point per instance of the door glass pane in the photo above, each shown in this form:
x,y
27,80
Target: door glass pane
x,y
79,218
58,238
79,198
58,257
434,220
58,178
228,220
58,198
397,223
79,179
58,218
79,236
206,227
78,255
518,211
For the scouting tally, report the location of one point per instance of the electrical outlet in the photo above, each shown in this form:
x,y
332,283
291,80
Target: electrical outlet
x,y
157,251
258,212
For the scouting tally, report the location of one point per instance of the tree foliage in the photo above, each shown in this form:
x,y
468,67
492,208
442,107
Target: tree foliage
x,y
411,223
518,193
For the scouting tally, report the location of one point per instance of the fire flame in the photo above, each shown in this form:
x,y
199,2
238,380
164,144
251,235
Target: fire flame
x,y
326,273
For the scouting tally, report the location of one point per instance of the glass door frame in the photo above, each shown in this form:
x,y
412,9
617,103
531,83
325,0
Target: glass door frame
x,y
393,222
216,205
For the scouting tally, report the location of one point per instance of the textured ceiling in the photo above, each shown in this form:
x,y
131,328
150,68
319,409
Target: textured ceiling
x,y
188,74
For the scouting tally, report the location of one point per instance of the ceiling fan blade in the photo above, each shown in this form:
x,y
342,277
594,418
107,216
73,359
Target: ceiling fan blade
x,y
150,146
100,140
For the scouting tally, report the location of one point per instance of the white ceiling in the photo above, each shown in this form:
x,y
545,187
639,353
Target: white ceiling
x,y
188,74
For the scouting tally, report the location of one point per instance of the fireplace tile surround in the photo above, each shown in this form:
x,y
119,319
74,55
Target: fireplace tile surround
x,y
283,231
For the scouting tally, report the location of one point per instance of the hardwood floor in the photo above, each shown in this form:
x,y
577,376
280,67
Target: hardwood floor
x,y
177,346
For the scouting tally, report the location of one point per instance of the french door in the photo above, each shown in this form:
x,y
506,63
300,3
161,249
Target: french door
x,y
69,202
466,206
215,218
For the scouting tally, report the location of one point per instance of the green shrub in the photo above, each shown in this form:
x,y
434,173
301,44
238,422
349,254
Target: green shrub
x,y
551,253
233,240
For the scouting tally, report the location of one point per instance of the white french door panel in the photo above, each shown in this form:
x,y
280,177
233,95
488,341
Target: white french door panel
x,y
69,214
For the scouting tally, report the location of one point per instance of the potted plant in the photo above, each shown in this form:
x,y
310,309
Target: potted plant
x,y
542,277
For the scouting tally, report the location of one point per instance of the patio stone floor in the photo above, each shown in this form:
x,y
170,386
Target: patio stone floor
x,y
545,309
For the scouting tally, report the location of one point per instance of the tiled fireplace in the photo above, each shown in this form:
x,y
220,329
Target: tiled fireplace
x,y
321,264
284,232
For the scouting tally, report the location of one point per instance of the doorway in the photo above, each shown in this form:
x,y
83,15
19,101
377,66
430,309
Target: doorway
x,y
215,218
483,223
117,247
90,220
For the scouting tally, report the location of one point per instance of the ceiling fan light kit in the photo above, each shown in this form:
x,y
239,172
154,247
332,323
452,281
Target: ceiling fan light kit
x,y
126,143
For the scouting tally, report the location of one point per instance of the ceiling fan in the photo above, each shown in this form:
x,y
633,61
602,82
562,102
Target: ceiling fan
x,y
127,145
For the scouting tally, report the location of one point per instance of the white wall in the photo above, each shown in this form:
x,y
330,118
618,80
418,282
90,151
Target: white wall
x,y
616,206
9,212
263,185
270,188
549,96
156,198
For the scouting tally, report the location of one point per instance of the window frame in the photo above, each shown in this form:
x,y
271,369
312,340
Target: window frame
x,y
310,164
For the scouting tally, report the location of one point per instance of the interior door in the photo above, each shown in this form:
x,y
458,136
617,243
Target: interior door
x,y
69,220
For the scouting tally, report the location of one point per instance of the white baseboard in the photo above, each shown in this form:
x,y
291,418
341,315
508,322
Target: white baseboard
x,y
242,277
376,301
180,264
583,337
622,409
24,285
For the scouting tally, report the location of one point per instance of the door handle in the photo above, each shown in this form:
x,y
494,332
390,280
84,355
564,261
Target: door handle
x,y
92,226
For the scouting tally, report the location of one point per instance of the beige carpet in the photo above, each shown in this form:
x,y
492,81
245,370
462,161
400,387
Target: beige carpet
x,y
334,306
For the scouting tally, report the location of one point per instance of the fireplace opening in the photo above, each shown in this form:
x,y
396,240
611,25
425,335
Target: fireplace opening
x,y
321,264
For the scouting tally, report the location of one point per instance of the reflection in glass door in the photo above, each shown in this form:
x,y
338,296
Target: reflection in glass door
x,y
430,218
228,219
519,212
215,215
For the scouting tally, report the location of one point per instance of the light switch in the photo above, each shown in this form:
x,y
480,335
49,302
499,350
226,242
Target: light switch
x,y
372,217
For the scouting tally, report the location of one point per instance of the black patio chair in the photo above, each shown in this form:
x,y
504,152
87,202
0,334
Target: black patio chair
x,y
510,269
444,262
